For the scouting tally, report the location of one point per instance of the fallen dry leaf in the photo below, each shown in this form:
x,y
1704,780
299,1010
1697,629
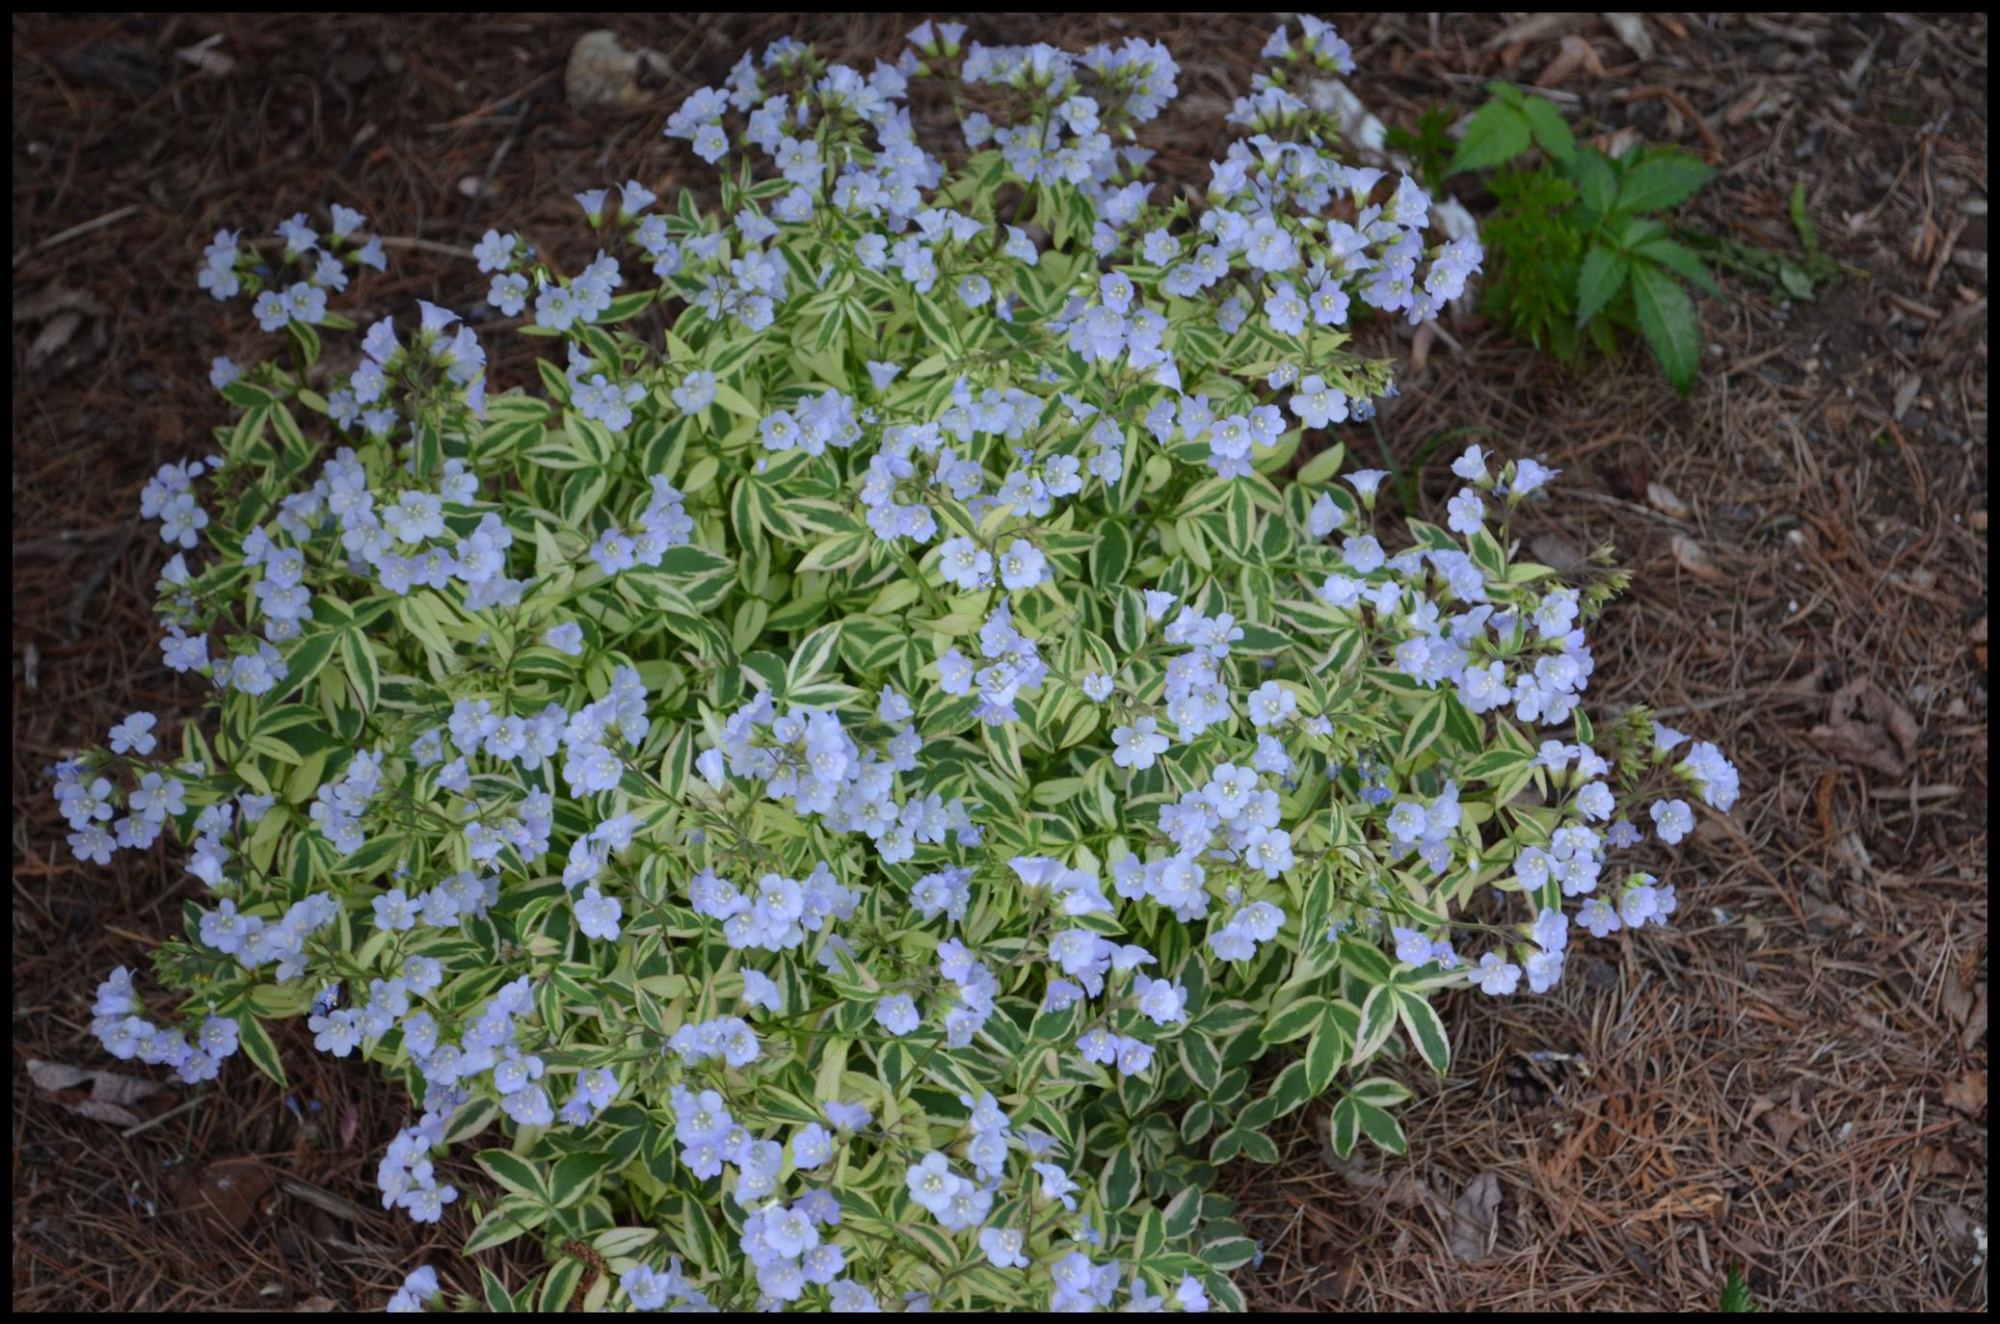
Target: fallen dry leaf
x,y
326,1201
1617,142
204,56
1782,1122
41,306
602,71
1688,1202
1420,346
1692,558
1975,1022
1967,1094
1475,1221
1534,28
1938,1161
1576,53
64,312
1556,551
54,337
1906,395
1960,1224
223,1195
1955,998
1631,30
1762,101
102,1096
1662,498
1399,1188
1866,727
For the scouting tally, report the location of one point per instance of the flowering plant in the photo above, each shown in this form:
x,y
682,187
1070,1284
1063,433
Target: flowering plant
x,y
835,794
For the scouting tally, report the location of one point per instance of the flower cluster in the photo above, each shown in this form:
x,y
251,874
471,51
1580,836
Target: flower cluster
x,y
914,643
127,1035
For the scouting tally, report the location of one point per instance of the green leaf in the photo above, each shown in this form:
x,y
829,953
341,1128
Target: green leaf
x,y
1736,1298
287,429
1200,1060
1662,181
307,340
1551,133
1378,1019
1197,1121
930,1238
247,395
1596,182
1152,1238
1224,1294
1802,220
257,1046
514,1173
1681,260
559,1287
1424,727
1636,231
575,1176
1384,1131
625,306
1112,554
623,1241
358,660
1496,134
1299,1018
1344,1126
495,1292
1426,1030
733,400
1120,1182
1182,1214
814,656
1667,318
1291,1091
1258,1147
1597,284
1379,1091
514,1216
304,662
1324,1055
1226,1253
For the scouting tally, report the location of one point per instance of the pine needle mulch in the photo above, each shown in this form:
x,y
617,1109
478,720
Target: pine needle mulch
x,y
1792,1079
